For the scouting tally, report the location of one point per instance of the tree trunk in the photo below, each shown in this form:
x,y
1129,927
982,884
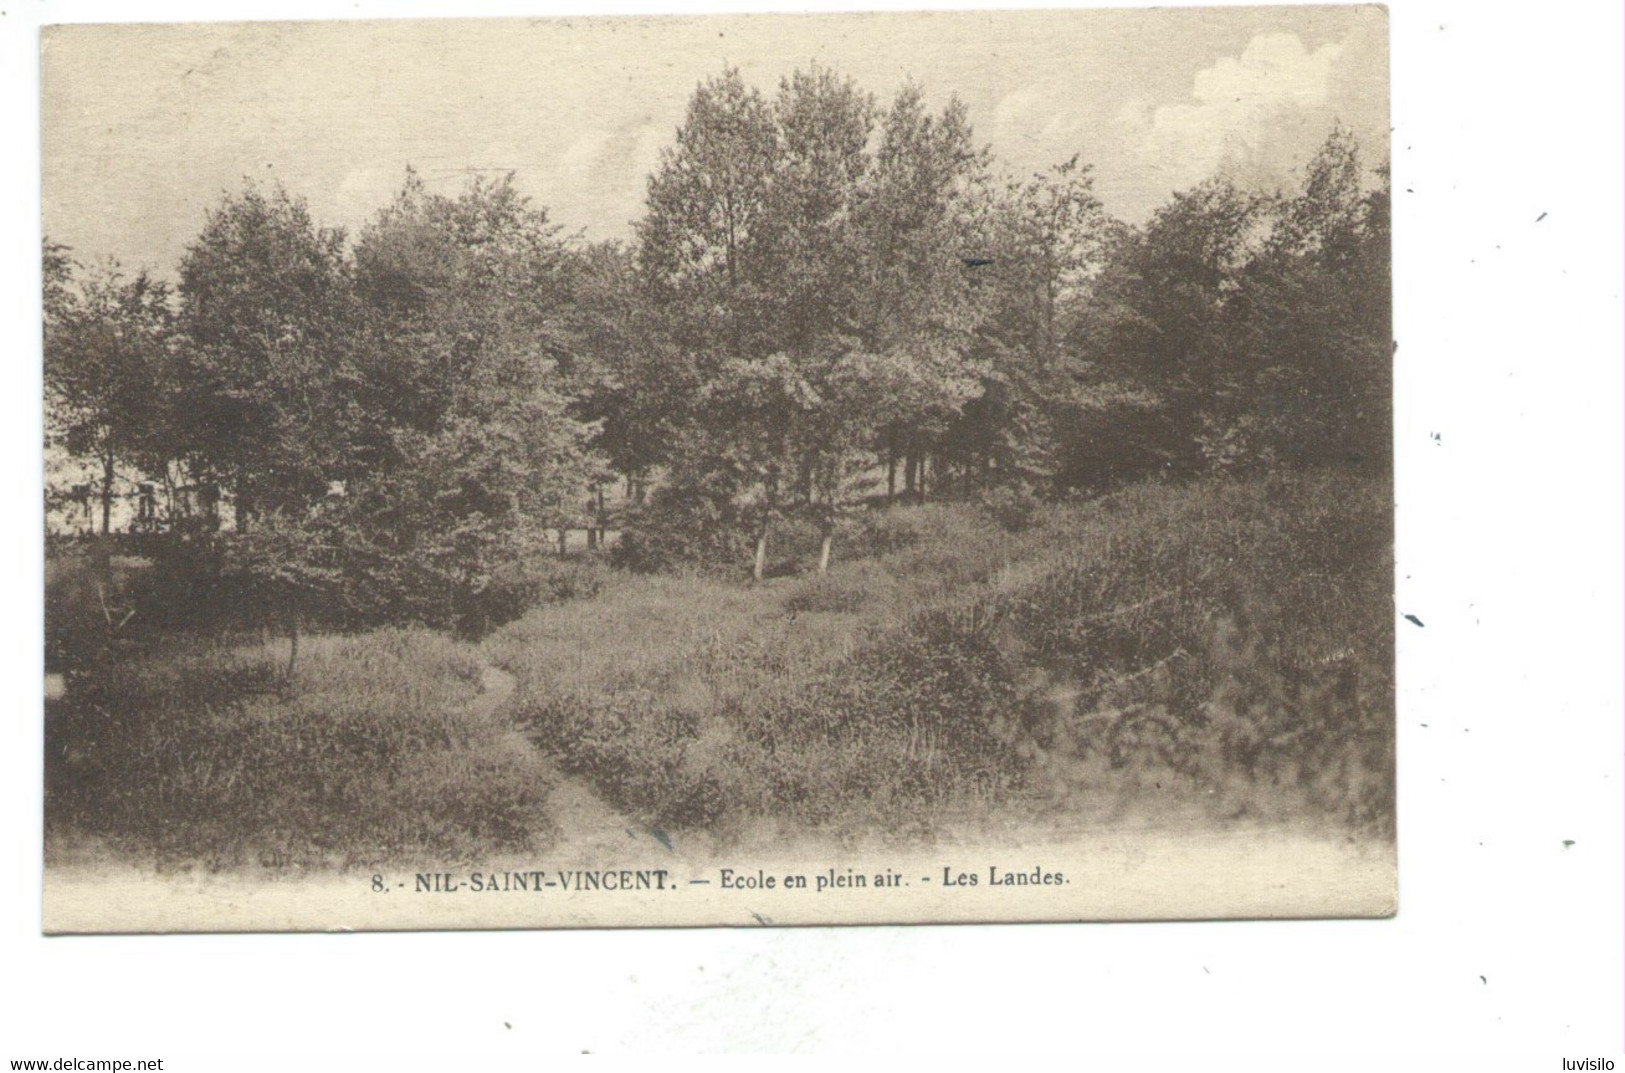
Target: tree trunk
x,y
172,509
1047,354
107,495
769,494
911,471
823,551
891,473
293,644
760,566
924,464
564,538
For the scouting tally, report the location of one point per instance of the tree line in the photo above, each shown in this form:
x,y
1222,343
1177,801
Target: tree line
x,y
828,300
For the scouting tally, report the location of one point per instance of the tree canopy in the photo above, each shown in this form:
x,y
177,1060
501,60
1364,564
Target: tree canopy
x,y
830,299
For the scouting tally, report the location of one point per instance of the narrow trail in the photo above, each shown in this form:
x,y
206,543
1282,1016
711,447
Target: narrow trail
x,y
496,689
587,824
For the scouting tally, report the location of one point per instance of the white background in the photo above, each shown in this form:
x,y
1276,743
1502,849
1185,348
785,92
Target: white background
x,y
1507,943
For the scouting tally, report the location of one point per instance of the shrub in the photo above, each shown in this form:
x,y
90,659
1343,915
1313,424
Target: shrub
x,y
885,532
636,749
81,615
371,753
684,526
1015,507
847,590
1236,636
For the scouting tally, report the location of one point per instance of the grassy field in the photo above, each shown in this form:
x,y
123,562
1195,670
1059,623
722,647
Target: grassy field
x,y
1212,652
1206,654
375,750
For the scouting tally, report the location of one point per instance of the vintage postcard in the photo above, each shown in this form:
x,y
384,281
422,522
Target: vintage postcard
x,y
733,470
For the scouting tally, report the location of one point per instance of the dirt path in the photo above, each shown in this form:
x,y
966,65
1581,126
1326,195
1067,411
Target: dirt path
x,y
590,830
588,827
496,688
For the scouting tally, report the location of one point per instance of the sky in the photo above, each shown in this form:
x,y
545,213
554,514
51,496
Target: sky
x,y
143,128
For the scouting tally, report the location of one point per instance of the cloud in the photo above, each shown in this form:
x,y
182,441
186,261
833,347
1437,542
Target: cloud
x,y
1253,117
363,191
1037,128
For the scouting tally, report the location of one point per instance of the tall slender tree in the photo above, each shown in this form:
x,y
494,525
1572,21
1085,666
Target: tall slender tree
x,y
699,238
920,309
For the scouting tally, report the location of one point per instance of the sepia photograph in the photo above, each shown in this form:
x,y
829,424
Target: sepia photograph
x,y
875,468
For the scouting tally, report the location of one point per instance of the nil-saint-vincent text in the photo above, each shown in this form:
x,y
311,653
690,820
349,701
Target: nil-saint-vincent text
x,y
575,880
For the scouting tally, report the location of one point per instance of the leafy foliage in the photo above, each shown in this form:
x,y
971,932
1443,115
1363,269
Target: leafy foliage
x,y
827,294
265,308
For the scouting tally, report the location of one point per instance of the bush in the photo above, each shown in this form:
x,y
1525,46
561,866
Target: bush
x,y
792,546
517,586
849,589
1015,507
684,527
1233,635
636,750
885,532
372,753
81,615
690,529
923,700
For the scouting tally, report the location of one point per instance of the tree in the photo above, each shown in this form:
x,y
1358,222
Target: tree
x,y
858,394
1041,244
287,568
473,299
698,240
56,277
1048,234
266,308
1317,316
1243,330
630,379
817,279
398,425
809,238
1161,327
109,345
761,404
919,307
703,255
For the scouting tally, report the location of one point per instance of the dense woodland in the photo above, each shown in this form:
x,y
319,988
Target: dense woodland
x,y
830,302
